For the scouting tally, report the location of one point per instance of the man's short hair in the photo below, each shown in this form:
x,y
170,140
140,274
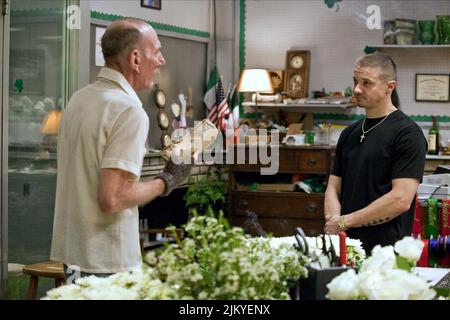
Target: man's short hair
x,y
121,38
380,61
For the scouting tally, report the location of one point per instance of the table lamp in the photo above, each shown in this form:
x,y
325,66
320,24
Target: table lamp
x,y
50,127
255,80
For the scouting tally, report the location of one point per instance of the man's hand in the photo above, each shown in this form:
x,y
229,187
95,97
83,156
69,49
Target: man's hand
x,y
332,225
174,175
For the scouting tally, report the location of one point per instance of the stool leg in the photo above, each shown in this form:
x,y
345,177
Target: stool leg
x,y
32,287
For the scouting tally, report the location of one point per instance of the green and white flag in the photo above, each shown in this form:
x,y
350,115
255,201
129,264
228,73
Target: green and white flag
x,y
210,95
233,120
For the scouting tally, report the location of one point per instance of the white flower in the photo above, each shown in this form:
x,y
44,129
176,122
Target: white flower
x,y
418,288
398,284
382,258
389,289
409,248
368,281
380,278
344,286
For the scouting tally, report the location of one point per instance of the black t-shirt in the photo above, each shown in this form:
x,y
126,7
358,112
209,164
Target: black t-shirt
x,y
396,148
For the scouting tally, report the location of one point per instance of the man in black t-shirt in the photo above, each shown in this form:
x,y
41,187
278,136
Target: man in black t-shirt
x,y
379,162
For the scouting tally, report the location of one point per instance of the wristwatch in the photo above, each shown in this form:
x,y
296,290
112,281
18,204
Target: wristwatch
x,y
341,223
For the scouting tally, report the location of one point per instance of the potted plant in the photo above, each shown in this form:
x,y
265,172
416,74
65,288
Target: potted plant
x,y
206,194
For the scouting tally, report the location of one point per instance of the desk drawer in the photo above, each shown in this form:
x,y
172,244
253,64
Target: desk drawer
x,y
278,204
277,226
313,161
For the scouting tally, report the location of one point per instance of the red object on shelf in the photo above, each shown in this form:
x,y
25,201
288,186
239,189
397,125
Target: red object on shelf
x,y
416,223
424,258
444,217
342,248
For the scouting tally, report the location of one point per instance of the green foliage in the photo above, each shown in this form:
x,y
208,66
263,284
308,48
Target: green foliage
x,y
442,292
404,263
204,194
217,261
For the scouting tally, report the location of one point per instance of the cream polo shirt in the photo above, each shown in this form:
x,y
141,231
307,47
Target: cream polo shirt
x,y
103,126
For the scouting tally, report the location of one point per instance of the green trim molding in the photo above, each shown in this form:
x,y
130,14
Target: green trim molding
x,y
242,23
242,20
156,25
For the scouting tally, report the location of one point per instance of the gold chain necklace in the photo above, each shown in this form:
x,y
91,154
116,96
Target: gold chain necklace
x,y
364,121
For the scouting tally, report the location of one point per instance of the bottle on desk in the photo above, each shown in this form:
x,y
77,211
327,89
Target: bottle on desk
x,y
433,138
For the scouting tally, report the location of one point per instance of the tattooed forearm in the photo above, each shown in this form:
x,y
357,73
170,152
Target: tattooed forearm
x,y
376,222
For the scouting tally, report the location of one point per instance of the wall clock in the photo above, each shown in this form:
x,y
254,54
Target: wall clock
x,y
297,73
165,140
163,120
160,98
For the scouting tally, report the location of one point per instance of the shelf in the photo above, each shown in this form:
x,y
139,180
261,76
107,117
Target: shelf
x,y
302,107
436,157
411,46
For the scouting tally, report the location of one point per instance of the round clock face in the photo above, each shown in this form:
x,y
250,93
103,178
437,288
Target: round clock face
x,y
295,83
165,140
296,62
163,120
160,98
175,107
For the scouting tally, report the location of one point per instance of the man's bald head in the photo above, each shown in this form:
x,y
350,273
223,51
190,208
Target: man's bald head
x,y
122,36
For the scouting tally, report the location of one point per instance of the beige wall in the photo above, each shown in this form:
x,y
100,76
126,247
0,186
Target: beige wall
x,y
192,14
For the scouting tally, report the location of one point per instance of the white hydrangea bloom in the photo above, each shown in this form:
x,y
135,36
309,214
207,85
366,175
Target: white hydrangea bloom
x,y
382,258
344,286
409,248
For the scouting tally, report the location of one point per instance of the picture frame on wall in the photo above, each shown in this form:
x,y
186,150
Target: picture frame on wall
x,y
99,59
297,73
151,4
277,79
432,87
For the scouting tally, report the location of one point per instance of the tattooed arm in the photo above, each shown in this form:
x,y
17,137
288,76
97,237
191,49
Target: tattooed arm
x,y
385,208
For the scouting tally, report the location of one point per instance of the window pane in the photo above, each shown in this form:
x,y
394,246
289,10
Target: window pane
x,y
35,103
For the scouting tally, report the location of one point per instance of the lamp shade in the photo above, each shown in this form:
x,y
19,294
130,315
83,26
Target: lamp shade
x,y
50,124
255,80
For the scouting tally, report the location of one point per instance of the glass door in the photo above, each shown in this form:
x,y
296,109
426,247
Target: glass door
x,y
4,35
36,98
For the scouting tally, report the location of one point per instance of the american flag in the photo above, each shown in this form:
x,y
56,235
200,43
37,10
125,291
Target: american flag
x,y
220,111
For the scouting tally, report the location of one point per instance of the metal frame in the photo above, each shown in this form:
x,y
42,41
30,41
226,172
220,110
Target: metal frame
x,y
4,106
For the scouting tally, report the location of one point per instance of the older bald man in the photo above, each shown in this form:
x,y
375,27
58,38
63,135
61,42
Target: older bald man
x,y
100,152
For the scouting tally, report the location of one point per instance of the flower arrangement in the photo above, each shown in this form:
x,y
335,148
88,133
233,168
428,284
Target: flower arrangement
x,y
214,262
385,276
355,251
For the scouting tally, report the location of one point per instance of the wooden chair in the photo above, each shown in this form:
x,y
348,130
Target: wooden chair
x,y
163,232
48,269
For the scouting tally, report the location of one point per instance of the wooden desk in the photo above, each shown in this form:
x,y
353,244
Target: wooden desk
x,y
280,212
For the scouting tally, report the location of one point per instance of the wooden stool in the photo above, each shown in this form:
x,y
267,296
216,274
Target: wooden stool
x,y
48,269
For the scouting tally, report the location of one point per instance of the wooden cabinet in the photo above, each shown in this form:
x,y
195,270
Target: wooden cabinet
x,y
278,212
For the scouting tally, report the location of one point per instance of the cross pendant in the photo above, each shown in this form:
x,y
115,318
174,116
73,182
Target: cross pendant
x,y
362,137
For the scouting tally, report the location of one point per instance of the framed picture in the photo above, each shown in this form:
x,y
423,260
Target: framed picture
x,y
99,60
277,78
152,4
297,73
432,87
